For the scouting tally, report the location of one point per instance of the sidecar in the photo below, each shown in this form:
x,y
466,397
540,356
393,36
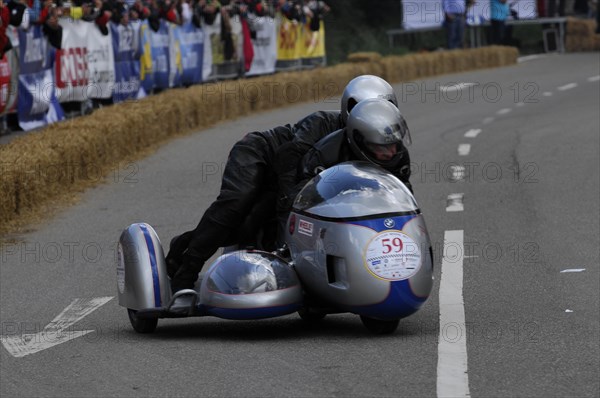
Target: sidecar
x,y
357,241
243,284
359,244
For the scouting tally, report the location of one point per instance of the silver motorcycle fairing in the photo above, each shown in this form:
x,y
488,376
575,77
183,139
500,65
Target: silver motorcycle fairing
x,y
355,189
248,284
340,235
142,279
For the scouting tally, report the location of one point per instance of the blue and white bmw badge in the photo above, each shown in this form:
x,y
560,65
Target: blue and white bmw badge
x,y
389,223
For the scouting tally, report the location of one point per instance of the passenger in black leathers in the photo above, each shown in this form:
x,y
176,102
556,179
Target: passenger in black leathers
x,y
261,175
248,196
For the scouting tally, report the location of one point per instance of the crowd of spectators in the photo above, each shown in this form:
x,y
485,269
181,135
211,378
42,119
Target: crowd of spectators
x,y
25,13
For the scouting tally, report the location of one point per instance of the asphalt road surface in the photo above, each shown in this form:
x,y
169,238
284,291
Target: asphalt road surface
x,y
506,170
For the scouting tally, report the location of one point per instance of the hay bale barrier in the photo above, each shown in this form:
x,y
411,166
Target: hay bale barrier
x,y
581,35
70,156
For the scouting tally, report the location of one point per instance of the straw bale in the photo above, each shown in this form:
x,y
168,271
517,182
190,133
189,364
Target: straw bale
x,y
596,43
71,155
364,57
580,27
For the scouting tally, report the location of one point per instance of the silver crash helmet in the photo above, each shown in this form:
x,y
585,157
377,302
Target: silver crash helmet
x,y
375,125
248,284
364,87
359,242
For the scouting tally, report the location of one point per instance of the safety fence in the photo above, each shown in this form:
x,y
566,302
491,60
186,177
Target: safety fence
x,y
133,61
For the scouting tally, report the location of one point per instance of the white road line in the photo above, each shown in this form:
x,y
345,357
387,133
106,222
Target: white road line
x,y
455,202
464,149
488,120
452,376
58,331
594,78
455,87
504,111
547,94
567,87
572,270
529,58
458,173
520,104
472,133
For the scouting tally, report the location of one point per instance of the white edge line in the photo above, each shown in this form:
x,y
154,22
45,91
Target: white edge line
x,y
529,58
594,78
452,376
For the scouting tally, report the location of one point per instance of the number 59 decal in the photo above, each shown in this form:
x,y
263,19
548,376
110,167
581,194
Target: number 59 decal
x,y
392,255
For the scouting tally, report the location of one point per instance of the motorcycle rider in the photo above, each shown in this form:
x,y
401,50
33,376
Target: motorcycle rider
x,y
260,175
376,132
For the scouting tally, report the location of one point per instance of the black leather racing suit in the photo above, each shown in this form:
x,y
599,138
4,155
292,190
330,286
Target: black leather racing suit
x,y
255,168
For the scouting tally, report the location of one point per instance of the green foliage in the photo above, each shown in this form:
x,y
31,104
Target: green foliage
x,y
360,25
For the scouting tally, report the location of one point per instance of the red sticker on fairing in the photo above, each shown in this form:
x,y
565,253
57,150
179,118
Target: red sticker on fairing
x,y
305,227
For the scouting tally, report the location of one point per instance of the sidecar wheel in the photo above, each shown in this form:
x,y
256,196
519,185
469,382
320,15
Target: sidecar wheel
x,y
309,315
141,325
378,326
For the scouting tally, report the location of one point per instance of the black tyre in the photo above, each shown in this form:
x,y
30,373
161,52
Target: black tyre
x,y
141,325
309,315
378,326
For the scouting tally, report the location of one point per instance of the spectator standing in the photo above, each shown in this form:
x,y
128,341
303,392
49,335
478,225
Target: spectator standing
x,y
315,11
500,10
454,22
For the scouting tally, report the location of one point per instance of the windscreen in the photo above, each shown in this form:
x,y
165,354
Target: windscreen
x,y
354,189
247,272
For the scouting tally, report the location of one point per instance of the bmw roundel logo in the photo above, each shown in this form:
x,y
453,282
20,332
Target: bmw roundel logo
x,y
389,223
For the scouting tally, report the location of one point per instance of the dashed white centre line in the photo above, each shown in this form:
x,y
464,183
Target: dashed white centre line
x,y
567,87
488,120
547,94
529,58
458,173
464,149
452,375
594,78
455,202
504,111
572,270
472,133
520,104
455,87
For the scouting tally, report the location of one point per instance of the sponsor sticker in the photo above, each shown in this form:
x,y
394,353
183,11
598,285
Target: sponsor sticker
x,y
393,256
305,227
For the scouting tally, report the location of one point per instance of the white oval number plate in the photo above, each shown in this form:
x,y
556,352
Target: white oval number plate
x,y
393,256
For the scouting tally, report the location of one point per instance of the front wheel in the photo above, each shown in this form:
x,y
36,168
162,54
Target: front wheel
x,y
141,325
377,326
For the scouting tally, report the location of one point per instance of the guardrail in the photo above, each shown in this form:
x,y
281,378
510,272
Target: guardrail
x,y
476,36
